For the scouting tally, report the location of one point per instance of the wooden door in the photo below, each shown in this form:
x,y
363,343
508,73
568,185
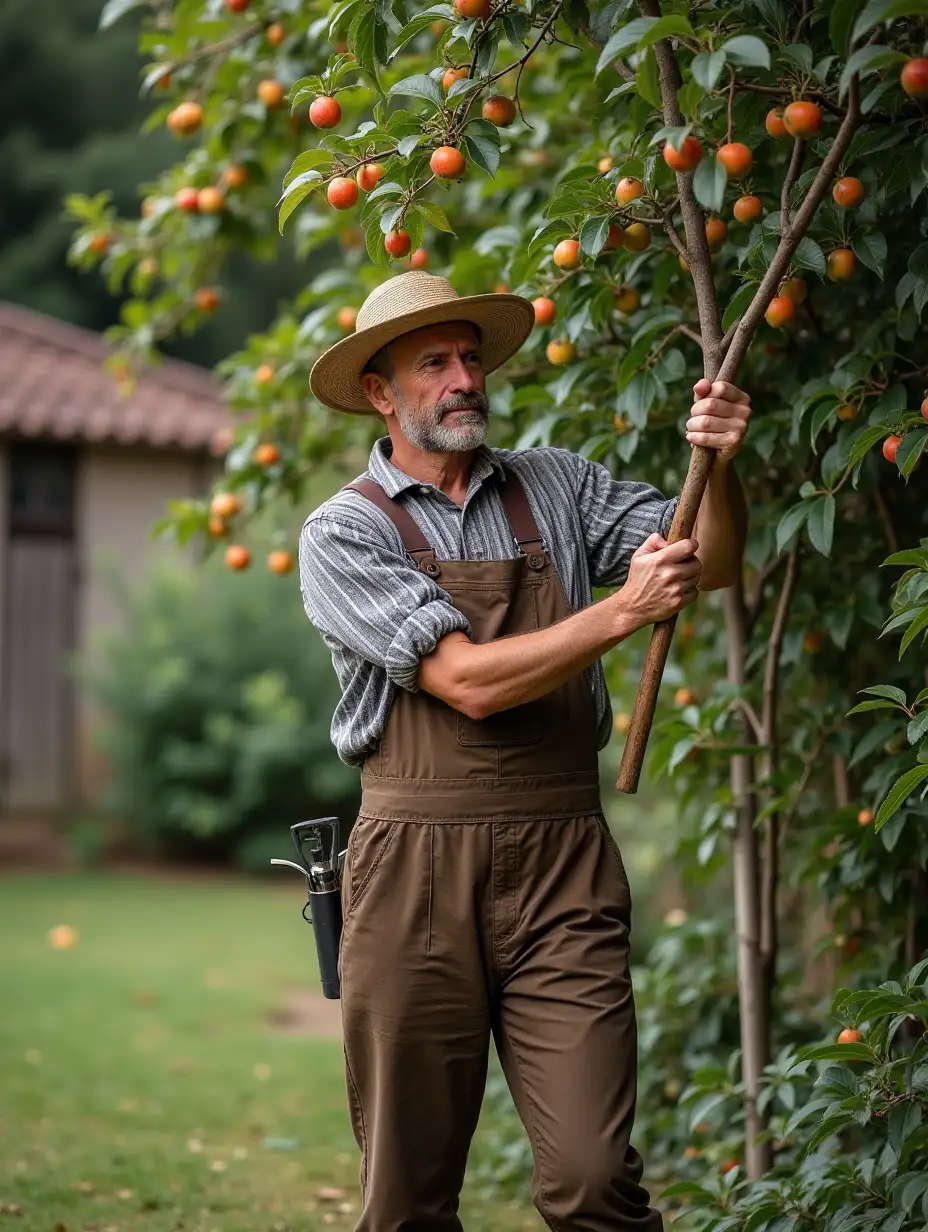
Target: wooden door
x,y
39,595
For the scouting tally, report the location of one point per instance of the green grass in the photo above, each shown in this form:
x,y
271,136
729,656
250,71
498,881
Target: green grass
x,y
140,1082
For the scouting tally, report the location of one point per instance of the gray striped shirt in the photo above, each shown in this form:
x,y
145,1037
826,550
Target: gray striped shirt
x,y
379,614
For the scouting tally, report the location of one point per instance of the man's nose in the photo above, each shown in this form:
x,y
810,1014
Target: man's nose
x,y
463,376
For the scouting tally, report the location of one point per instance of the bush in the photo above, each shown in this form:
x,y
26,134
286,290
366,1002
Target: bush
x,y
218,699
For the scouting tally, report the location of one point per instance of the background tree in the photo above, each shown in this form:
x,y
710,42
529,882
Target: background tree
x,y
662,182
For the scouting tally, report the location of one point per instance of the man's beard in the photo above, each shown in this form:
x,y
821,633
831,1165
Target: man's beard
x,y
422,426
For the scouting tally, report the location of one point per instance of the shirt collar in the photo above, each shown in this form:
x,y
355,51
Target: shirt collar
x,y
394,481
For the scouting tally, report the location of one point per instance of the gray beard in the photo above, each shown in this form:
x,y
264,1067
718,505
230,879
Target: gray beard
x,y
423,427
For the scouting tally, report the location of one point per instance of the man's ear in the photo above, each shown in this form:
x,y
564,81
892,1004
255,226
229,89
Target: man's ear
x,y
379,392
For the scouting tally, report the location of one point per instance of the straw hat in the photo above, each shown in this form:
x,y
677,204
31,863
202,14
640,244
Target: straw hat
x,y
406,302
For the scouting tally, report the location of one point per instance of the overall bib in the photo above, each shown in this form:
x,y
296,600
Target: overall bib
x,y
483,894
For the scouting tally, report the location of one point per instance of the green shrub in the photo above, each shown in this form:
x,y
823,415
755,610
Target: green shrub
x,y
218,698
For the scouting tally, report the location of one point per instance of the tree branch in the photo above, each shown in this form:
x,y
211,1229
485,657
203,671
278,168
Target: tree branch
x,y
792,175
742,704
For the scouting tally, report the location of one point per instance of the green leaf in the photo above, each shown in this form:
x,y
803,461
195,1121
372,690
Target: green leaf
x,y
647,82
434,215
305,162
364,40
374,240
747,50
790,522
917,728
707,68
917,557
688,1189
709,182
918,624
871,247
864,443
889,691
480,150
419,23
295,192
810,256
821,523
867,60
739,303
799,54
886,10
900,792
872,704
467,85
636,398
114,9
594,233
624,40
839,25
828,1128
406,145
910,450
836,1052
666,27
419,86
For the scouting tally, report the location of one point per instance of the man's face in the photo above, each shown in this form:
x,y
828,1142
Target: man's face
x,y
438,388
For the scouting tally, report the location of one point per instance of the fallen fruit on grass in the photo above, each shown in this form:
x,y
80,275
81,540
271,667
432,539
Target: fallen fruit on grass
x,y
280,561
890,447
560,351
325,112
736,158
686,158
567,254
748,209
841,265
848,192
637,237
397,243
545,310
802,119
342,193
447,163
628,189
780,311
237,556
499,110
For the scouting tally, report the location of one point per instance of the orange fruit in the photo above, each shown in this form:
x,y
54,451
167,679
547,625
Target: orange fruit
x,y
235,175
447,163
802,119
225,505
185,119
237,556
218,528
473,9
267,454
545,310
847,412
729,1166
849,1036
614,238
716,231
187,199
560,351
686,158
455,73
419,259
271,93
627,299
206,299
748,209
848,192
622,722
342,193
275,33
924,410
774,124
567,254
499,110
605,164
62,937
325,112
346,319
637,237
890,447
369,175
397,243
795,289
280,561
865,817
100,243
736,158
628,190
780,311
211,200
914,77
684,697
812,642
841,265
264,374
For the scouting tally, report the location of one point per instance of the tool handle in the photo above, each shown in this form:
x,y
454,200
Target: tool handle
x,y
697,477
327,929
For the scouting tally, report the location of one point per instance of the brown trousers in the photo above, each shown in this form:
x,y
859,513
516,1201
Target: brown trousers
x,y
484,895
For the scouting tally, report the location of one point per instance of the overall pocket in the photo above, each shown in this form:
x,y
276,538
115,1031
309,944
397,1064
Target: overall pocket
x,y
368,844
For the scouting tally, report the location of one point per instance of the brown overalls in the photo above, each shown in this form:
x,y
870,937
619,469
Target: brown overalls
x,y
484,893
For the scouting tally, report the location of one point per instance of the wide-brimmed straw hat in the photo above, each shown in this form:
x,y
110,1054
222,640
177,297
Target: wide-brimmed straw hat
x,y
406,302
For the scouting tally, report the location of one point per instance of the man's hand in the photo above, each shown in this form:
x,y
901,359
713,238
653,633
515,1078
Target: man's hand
x,y
719,417
662,579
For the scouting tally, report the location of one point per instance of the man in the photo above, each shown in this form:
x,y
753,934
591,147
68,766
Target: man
x,y
483,893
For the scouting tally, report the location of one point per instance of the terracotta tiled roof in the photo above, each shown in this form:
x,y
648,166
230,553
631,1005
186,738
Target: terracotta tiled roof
x,y
52,384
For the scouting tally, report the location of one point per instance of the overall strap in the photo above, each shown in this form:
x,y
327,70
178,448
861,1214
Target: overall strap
x,y
413,539
522,521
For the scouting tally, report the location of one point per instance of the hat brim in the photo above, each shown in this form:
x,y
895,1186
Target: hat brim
x,y
504,321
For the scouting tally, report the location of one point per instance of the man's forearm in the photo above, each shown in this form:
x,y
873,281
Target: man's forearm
x,y
483,678
721,527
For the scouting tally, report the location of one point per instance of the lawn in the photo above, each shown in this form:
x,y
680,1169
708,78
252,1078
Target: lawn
x,y
149,1076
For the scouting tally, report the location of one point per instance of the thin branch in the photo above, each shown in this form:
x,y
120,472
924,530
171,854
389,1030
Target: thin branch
x,y
675,240
727,337
809,764
784,94
756,601
742,704
789,243
218,49
690,333
886,518
792,175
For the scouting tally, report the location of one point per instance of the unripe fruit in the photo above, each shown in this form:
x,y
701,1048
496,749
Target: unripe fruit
x,y
397,243
686,158
716,231
264,374
795,289
187,199
848,192
346,319
499,110
185,119
924,410
275,34
780,311
849,1036
325,112
545,310
620,425
802,119
841,265
560,351
218,529
637,237
567,254
225,505
774,124
237,6
890,447
628,189
865,817
451,75
627,300
235,175
605,164
447,163
914,78
613,239
748,209
280,562
342,193
100,243
684,697
736,158
237,557
271,93
211,200
369,176
267,454
206,299
847,412
471,9
419,259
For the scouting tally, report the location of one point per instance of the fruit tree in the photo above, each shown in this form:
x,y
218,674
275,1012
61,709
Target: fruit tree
x,y
682,190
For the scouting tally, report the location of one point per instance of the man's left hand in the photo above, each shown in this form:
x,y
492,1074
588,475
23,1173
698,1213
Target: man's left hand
x,y
719,417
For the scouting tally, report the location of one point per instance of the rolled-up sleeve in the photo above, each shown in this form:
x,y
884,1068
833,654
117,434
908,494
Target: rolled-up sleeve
x,y
370,598
617,516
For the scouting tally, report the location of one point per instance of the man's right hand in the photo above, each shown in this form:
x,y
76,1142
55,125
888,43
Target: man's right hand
x,y
662,579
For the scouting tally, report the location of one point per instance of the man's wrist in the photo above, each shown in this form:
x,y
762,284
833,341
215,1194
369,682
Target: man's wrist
x,y
625,620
